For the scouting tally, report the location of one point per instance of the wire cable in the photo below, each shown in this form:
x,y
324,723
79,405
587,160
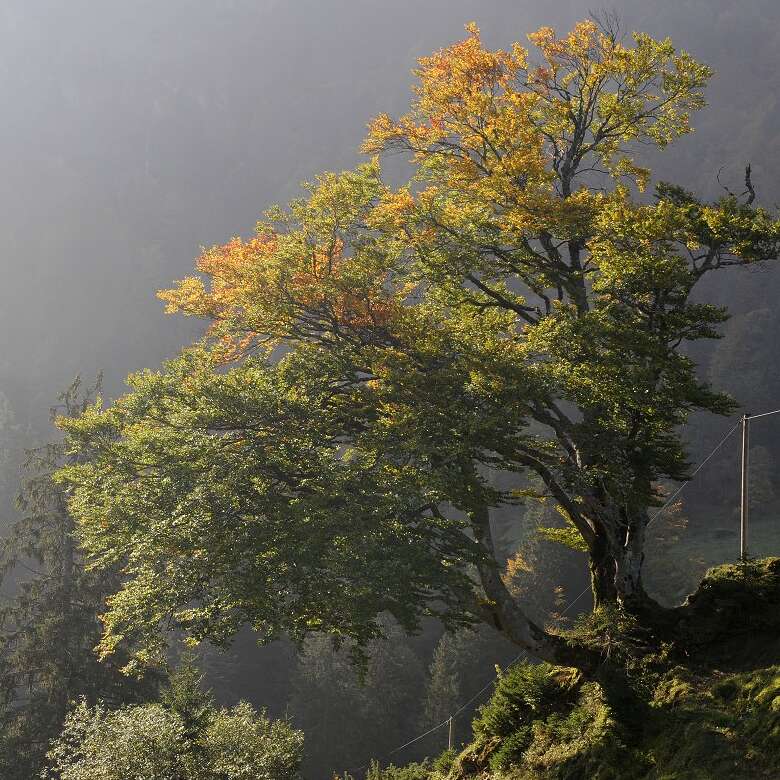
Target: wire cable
x,y
704,462
572,603
418,738
698,469
482,690
763,414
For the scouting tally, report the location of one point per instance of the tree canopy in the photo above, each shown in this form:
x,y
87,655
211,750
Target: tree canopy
x,y
375,354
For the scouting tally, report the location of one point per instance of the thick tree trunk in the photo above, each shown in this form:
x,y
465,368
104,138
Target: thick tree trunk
x,y
628,579
628,576
616,561
603,569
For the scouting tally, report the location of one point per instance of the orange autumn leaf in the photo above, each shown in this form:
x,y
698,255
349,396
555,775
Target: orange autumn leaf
x,y
294,278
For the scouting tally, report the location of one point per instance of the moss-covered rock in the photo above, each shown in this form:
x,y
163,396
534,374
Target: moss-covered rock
x,y
732,603
695,728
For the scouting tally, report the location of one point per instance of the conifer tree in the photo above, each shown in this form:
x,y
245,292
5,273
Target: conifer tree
x,y
49,628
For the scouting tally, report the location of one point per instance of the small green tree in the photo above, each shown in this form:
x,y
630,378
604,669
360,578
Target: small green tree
x,y
443,693
462,665
348,720
182,738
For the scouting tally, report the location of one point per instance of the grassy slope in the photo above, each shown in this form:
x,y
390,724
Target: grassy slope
x,y
679,555
706,705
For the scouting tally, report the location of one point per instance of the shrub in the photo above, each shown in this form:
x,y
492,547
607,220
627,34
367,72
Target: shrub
x,y
525,694
151,742
415,771
242,745
95,744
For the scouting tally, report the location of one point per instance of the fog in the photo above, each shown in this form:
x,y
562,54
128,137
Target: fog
x,y
133,133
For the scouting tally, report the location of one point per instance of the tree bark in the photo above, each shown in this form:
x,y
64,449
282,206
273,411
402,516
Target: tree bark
x,y
603,569
616,562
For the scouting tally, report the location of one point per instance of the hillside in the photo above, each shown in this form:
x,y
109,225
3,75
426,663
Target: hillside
x,y
701,703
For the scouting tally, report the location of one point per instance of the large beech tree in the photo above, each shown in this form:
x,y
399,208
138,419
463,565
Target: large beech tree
x,y
324,455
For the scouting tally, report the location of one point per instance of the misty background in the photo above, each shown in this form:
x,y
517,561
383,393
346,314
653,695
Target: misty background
x,y
133,133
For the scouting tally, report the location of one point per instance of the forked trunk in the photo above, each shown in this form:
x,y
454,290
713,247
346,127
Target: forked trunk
x,y
616,560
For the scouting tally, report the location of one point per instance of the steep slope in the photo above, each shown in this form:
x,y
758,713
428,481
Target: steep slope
x,y
697,701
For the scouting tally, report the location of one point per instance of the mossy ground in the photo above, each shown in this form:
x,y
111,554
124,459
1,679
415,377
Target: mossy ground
x,y
703,705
